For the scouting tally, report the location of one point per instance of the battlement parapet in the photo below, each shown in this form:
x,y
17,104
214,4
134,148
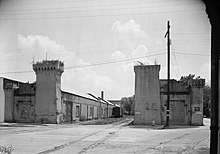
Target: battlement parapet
x,y
195,83
46,65
198,83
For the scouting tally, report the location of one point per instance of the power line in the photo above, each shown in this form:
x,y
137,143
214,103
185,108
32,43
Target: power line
x,y
89,6
94,64
18,72
194,51
116,61
148,2
66,1
193,33
174,69
192,44
175,60
103,15
192,54
70,11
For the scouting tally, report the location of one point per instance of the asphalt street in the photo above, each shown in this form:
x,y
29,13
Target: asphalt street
x,y
117,138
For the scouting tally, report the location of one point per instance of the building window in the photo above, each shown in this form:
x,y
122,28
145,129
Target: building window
x,y
103,112
90,111
77,111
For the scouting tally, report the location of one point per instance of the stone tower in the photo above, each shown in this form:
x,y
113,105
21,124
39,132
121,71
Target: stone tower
x,y
48,91
147,94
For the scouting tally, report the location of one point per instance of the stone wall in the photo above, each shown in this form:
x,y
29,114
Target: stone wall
x,y
24,103
9,86
24,109
48,91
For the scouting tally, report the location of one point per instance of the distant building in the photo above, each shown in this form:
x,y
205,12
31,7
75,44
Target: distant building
x,y
118,110
44,102
186,99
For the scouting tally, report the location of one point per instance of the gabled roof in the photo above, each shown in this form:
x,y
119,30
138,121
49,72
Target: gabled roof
x,y
97,98
109,103
80,94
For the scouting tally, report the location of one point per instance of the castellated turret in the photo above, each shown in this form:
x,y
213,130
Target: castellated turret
x,y
48,91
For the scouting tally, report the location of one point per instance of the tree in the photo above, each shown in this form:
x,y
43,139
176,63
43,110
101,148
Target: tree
x,y
187,78
128,104
206,93
206,100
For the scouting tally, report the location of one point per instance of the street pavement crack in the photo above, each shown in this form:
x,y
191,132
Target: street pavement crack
x,y
120,124
163,143
177,138
92,146
56,148
193,146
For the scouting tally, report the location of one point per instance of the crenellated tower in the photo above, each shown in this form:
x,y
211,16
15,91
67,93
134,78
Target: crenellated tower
x,y
48,91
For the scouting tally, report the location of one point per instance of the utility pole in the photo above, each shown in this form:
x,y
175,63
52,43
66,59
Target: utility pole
x,y
167,35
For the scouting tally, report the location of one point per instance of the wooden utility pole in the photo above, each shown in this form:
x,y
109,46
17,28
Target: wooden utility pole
x,y
167,35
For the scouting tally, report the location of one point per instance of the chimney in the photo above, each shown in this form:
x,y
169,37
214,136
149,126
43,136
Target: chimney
x,y
102,94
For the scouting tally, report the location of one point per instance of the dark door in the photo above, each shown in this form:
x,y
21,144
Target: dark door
x,y
178,112
69,111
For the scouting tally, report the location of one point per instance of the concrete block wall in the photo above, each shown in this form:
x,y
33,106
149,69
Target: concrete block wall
x,y
147,94
179,103
197,106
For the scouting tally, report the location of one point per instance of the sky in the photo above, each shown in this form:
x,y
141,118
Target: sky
x,y
100,41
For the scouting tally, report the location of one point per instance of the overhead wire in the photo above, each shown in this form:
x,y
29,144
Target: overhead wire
x,y
116,61
24,12
97,5
96,64
175,61
192,54
195,51
191,33
102,15
110,62
71,1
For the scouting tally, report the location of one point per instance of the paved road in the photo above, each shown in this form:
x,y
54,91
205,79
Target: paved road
x,y
98,139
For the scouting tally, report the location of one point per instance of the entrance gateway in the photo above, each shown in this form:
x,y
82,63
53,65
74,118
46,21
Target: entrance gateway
x,y
186,98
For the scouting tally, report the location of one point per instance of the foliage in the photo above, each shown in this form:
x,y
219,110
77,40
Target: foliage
x,y
206,100
128,104
206,93
188,78
6,150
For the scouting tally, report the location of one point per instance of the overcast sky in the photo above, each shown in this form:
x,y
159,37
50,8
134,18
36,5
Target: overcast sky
x,y
100,40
